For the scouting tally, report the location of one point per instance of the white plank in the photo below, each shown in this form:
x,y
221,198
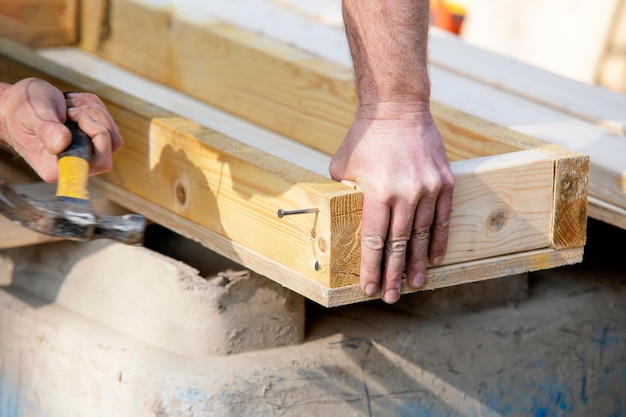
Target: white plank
x,y
588,102
191,108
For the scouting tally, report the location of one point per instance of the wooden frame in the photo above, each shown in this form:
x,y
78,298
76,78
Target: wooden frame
x,y
225,194
294,92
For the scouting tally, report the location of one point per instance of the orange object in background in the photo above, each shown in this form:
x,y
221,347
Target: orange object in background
x,y
447,15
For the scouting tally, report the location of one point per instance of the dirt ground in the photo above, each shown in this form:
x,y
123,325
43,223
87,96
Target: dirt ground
x,y
556,348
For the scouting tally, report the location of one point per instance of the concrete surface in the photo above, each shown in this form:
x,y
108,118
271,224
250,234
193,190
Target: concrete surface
x,y
559,352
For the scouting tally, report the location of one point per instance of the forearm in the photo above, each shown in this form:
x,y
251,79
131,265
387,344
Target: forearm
x,y
389,45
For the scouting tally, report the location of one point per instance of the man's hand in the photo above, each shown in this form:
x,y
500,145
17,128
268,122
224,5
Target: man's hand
x,y
396,156
393,149
32,117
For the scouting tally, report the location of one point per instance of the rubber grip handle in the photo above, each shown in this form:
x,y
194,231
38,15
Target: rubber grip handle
x,y
73,164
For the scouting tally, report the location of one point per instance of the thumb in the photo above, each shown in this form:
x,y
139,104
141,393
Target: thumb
x,y
54,136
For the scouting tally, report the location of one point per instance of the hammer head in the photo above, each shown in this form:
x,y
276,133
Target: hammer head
x,y
69,218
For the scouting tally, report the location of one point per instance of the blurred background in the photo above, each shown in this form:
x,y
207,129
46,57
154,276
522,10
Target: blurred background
x,y
580,39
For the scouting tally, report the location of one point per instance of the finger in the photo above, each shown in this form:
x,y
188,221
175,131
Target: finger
x,y
374,228
101,139
90,105
419,243
441,227
395,251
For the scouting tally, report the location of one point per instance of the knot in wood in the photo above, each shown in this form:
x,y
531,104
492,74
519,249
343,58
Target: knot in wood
x,y
498,218
181,193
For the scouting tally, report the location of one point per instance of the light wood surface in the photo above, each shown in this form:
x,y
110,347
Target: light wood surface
x,y
39,23
239,45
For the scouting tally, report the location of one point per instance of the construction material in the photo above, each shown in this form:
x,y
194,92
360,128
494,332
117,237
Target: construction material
x,y
70,215
311,85
38,23
225,194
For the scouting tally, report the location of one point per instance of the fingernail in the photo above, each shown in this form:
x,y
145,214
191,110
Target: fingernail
x,y
371,289
418,280
391,296
437,260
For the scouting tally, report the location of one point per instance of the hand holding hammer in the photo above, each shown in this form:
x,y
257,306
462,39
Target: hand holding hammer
x,y
32,112
70,214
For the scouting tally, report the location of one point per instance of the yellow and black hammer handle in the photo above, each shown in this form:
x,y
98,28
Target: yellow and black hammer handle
x,y
73,164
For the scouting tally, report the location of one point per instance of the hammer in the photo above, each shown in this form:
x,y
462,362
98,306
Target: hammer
x,y
70,215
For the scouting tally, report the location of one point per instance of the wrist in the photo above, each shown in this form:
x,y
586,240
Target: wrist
x,y
409,110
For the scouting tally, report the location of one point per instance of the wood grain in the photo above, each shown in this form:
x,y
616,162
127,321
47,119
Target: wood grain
x,y
38,23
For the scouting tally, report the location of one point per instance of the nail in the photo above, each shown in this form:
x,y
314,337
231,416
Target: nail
x,y
391,296
437,260
371,289
281,213
418,280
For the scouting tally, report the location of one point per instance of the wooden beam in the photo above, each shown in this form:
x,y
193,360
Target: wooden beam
x,y
267,82
38,23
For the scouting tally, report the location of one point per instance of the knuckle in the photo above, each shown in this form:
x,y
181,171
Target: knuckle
x,y
396,246
374,242
442,225
421,233
102,167
90,97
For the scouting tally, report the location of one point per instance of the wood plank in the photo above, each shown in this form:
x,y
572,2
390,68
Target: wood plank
x,y
37,23
202,183
607,213
580,100
237,77
267,82
501,266
186,106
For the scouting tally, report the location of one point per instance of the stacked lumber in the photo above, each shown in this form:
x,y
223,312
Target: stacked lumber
x,y
519,204
297,81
